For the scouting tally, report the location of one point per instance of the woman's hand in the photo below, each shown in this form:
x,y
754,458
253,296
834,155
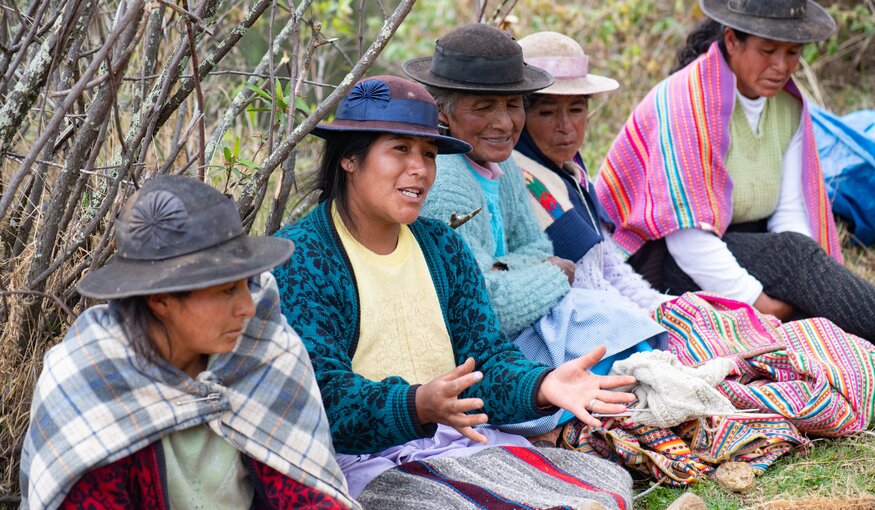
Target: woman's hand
x,y
565,265
574,388
437,401
772,306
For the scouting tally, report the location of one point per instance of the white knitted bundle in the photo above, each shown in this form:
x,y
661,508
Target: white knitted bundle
x,y
674,393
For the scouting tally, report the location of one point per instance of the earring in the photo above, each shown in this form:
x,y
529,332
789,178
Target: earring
x,y
443,128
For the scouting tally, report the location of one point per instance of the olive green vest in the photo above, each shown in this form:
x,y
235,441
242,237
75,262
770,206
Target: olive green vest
x,y
754,161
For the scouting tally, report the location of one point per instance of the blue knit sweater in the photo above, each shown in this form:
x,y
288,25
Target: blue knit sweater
x,y
530,286
320,299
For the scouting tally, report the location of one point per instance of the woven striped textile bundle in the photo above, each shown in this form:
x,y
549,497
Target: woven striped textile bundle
x,y
686,454
809,371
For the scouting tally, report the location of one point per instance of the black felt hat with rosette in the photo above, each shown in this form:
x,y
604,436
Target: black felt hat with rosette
x,y
178,234
389,104
795,21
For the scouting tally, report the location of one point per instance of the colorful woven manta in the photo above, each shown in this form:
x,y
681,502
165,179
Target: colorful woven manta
x,y
809,371
666,170
688,453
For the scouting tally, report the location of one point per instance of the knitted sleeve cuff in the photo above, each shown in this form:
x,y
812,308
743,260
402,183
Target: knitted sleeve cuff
x,y
420,429
533,395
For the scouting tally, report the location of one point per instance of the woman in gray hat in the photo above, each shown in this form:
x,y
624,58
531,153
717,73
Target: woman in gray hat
x,y
407,350
714,182
478,77
188,389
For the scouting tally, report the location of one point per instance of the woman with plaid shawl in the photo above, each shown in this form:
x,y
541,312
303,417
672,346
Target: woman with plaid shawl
x,y
189,389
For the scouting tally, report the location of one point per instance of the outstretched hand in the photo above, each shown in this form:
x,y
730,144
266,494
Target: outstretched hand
x,y
437,401
577,390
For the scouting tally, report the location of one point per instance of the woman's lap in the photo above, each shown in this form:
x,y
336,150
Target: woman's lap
x,y
793,268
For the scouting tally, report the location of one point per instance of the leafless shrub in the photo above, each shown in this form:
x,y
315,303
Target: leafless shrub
x,y
98,96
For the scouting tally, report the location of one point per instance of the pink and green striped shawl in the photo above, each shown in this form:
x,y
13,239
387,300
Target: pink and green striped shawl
x,y
665,171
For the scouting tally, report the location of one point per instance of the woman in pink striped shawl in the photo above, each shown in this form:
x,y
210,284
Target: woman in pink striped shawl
x,y
714,182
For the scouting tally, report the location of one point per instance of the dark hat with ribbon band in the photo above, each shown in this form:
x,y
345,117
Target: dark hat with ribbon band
x,y
796,21
178,234
389,104
478,59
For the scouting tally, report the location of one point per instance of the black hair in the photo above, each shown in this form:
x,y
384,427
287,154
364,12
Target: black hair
x,y
700,39
137,320
331,179
532,99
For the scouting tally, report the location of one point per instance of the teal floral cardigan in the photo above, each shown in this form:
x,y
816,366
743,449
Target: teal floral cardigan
x,y
319,297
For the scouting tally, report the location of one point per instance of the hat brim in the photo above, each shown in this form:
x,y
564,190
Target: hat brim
x,y
533,79
817,24
445,144
230,261
591,84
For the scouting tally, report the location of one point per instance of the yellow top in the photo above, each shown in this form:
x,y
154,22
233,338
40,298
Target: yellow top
x,y
402,330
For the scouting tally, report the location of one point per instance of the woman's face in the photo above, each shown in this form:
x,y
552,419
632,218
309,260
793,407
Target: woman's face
x,y
491,124
202,322
557,124
761,66
389,186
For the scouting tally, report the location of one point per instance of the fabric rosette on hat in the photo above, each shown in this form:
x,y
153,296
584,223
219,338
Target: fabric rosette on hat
x,y
389,104
565,59
796,21
178,234
478,59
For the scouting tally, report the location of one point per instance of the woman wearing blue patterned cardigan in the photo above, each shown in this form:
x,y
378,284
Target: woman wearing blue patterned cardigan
x,y
392,307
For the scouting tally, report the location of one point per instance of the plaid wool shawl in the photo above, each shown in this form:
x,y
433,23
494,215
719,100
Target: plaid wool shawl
x,y
96,402
666,169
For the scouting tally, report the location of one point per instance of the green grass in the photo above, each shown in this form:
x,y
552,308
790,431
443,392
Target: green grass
x,y
840,469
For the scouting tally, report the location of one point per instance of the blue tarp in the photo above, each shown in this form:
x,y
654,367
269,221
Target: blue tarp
x,y
846,146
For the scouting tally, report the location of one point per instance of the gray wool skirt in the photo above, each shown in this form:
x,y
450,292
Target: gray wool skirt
x,y
501,478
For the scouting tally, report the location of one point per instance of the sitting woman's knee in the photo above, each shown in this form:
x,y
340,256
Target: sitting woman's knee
x,y
796,243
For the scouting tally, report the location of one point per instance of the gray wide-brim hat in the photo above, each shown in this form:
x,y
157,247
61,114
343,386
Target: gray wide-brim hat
x,y
795,21
478,59
178,234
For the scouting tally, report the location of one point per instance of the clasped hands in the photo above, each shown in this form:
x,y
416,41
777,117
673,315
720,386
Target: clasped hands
x,y
570,386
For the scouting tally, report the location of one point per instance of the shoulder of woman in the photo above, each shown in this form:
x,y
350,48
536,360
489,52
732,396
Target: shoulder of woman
x,y
96,331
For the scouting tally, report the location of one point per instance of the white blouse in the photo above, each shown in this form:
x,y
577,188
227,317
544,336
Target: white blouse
x,y
707,259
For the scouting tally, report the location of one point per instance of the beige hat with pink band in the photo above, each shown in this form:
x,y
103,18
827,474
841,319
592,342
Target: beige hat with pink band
x,y
564,58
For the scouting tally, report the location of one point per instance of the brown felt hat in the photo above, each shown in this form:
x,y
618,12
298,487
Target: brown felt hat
x,y
478,59
796,21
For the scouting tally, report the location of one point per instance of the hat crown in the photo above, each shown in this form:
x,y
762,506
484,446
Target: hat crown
x,y
777,9
389,99
480,54
480,40
550,44
172,216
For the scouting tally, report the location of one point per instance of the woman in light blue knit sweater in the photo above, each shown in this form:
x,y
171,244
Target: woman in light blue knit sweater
x,y
528,287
